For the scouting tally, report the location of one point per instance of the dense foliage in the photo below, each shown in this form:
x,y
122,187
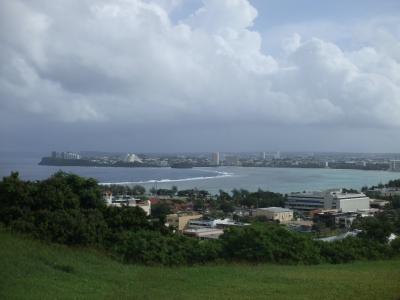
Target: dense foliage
x,y
394,199
393,183
136,190
69,209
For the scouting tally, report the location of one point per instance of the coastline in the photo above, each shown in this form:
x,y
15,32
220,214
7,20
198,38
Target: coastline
x,y
282,180
49,161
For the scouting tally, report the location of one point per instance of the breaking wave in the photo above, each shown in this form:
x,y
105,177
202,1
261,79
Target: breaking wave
x,y
220,174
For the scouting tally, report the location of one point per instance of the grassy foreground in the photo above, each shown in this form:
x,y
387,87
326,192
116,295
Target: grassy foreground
x,y
32,270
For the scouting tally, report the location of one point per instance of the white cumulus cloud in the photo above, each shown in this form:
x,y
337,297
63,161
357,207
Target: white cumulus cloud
x,y
127,61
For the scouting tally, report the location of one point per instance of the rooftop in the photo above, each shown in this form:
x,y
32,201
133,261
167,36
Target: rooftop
x,y
203,230
184,214
338,193
276,209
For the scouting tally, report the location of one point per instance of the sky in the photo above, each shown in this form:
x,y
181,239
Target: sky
x,y
200,75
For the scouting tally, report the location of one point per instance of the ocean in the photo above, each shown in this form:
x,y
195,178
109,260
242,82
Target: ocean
x,y
283,180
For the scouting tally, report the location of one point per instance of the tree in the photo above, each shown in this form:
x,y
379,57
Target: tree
x,y
224,195
160,210
54,193
375,228
395,202
174,189
16,198
153,190
227,206
393,183
125,218
138,190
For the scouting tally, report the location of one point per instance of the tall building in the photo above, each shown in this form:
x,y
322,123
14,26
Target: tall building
x,y
215,158
263,155
278,155
69,155
395,165
329,199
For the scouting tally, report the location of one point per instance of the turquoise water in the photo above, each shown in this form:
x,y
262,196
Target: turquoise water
x,y
284,179
212,179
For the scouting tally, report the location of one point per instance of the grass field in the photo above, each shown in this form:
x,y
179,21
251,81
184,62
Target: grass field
x,y
32,270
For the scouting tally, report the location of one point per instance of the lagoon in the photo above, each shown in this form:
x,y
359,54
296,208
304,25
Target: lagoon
x,y
281,180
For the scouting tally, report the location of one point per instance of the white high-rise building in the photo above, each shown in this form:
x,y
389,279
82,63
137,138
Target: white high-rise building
x,y
215,158
395,165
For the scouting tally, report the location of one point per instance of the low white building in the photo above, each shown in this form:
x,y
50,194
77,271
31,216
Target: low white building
x,y
205,233
349,202
329,199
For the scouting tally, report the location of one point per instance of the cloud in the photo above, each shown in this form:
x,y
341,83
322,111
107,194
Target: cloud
x,y
217,16
127,62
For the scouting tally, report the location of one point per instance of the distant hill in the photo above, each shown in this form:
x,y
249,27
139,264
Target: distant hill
x,y
30,269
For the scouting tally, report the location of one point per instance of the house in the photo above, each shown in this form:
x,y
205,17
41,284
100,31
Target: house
x,y
283,215
126,200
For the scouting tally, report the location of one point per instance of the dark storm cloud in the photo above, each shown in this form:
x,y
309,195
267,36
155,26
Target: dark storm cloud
x,y
76,77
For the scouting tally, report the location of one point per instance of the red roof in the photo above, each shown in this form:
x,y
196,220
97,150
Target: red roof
x,y
154,201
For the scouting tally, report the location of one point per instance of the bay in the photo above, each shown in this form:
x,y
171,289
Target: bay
x,y
282,180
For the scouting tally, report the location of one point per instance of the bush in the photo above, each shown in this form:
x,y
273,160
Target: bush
x,y
395,244
269,243
68,209
153,248
353,248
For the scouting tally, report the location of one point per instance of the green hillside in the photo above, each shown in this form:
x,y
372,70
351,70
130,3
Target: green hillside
x,y
32,270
